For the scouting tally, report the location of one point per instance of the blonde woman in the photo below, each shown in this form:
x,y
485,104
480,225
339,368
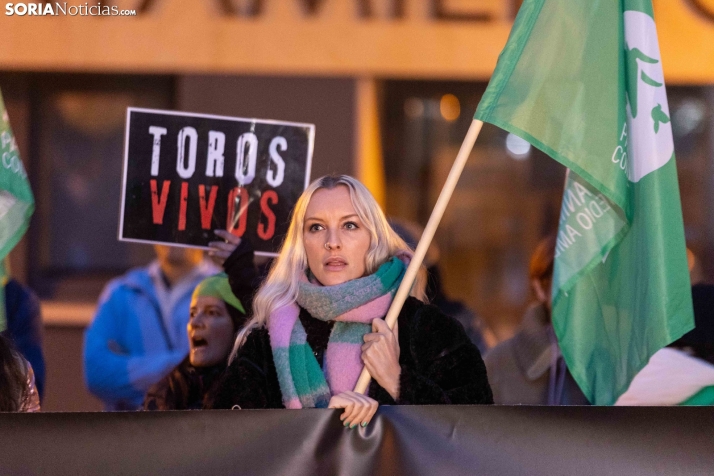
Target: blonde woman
x,y
318,318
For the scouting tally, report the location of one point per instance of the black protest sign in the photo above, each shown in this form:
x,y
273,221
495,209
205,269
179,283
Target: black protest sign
x,y
186,175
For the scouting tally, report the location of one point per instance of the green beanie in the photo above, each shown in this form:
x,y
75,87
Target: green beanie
x,y
217,286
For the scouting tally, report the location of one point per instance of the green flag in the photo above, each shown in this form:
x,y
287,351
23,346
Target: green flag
x,y
16,201
582,80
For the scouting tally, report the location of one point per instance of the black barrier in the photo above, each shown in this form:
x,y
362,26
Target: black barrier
x,y
430,440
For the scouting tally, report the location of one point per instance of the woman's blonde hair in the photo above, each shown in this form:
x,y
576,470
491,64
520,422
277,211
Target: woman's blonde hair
x,y
281,286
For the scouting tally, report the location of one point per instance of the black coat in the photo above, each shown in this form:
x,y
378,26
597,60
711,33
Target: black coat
x,y
439,365
24,327
521,366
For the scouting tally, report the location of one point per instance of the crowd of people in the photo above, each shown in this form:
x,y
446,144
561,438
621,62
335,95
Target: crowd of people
x,y
229,331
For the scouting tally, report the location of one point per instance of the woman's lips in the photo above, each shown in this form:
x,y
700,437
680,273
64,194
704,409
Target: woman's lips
x,y
335,264
198,342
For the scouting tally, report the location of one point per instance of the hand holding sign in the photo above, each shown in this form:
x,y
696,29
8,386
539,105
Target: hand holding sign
x,y
186,175
221,250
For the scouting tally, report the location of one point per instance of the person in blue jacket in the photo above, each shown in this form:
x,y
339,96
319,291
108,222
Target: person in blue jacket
x,y
24,328
139,330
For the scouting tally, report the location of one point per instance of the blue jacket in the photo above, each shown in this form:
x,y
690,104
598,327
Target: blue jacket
x,y
130,345
24,327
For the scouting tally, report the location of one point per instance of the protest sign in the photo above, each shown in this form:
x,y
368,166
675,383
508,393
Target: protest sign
x,y
186,175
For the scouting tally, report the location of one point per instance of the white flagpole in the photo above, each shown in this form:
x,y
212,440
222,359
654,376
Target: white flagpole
x,y
431,226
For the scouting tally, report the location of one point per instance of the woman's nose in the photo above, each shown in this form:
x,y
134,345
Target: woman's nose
x,y
196,322
334,241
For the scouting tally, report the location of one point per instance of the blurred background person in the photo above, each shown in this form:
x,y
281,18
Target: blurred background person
x,y
474,326
18,392
216,316
24,328
139,330
528,368
695,269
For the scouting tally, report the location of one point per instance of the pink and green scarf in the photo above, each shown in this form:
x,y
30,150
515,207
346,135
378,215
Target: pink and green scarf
x,y
352,305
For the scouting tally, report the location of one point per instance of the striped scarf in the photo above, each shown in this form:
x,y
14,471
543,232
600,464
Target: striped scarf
x,y
352,305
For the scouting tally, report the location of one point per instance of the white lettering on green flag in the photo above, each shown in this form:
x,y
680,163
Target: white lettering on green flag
x,y
582,80
16,200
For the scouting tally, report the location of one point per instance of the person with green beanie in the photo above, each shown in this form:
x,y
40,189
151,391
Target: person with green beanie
x,y
216,316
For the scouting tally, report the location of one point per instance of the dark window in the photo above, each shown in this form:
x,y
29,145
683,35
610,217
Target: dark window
x,y
509,194
76,154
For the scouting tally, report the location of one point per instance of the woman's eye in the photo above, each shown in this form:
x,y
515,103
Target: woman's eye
x,y
350,225
315,227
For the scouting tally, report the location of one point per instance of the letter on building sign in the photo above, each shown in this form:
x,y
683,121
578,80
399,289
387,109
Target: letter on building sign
x,y
441,12
275,177
247,156
216,148
186,171
703,7
245,8
381,8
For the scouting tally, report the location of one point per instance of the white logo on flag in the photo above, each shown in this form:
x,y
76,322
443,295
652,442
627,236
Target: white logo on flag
x,y
7,201
649,127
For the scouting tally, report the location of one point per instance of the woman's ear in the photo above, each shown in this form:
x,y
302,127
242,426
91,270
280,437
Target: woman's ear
x,y
539,291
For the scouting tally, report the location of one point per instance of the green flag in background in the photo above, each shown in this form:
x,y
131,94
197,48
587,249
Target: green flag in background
x,y
16,201
582,80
